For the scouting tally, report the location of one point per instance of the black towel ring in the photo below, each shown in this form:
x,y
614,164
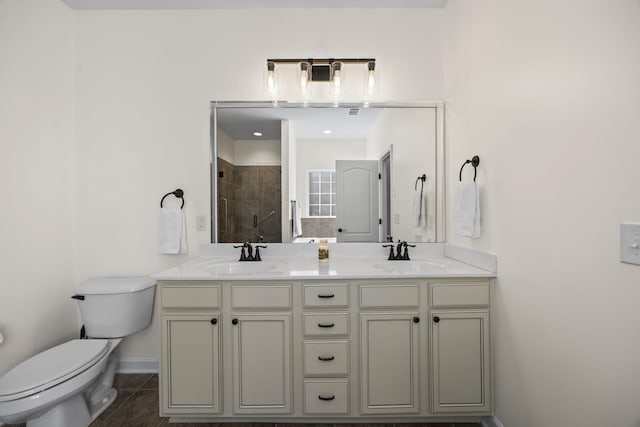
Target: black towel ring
x,y
178,193
422,178
475,161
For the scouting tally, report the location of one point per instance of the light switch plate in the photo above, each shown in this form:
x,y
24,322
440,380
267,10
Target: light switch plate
x,y
201,223
630,243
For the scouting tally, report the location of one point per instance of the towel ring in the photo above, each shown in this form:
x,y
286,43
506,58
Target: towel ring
x,y
475,161
422,178
178,193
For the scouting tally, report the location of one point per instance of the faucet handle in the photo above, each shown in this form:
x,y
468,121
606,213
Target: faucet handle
x,y
257,257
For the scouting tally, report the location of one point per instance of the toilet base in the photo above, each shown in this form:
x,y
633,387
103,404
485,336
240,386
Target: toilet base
x,y
72,413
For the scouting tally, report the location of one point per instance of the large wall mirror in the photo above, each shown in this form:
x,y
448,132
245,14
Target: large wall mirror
x,y
291,172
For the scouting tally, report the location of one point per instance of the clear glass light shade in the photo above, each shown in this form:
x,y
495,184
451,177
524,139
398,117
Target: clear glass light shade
x,y
270,81
303,75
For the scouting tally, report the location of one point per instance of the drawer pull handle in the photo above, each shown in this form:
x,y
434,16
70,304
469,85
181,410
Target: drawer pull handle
x,y
214,321
436,319
326,325
326,397
326,358
326,295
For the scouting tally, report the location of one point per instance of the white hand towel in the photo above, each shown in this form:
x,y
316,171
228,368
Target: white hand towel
x,y
172,231
297,220
466,210
419,211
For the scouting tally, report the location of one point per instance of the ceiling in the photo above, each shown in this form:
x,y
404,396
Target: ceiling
x,y
253,4
308,123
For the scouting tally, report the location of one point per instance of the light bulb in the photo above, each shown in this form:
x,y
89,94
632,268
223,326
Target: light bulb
x,y
304,74
271,80
337,75
371,79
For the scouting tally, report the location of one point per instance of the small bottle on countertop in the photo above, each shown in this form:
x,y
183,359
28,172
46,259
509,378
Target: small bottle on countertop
x,y
323,251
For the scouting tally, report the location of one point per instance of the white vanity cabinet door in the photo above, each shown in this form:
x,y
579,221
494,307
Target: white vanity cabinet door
x,y
389,363
190,364
261,363
460,357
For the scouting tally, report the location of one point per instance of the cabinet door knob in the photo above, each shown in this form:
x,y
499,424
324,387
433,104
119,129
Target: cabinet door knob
x,y
234,321
326,397
214,321
416,319
436,319
326,325
339,230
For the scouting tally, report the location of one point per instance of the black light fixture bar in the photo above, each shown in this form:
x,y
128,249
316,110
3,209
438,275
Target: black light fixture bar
x,y
313,61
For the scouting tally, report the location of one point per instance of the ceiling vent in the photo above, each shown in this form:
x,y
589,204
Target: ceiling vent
x,y
354,111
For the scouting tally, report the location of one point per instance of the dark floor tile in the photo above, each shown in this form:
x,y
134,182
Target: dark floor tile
x,y
130,381
424,425
141,409
123,395
151,383
167,424
246,425
364,425
467,425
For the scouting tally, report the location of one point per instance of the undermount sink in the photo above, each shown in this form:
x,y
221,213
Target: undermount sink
x,y
423,266
247,267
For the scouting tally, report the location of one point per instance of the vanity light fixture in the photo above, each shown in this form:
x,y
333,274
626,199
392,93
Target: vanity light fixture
x,y
322,70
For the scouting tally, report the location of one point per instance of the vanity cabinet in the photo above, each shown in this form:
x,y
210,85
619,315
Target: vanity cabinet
x,y
342,350
390,351
190,361
460,347
261,363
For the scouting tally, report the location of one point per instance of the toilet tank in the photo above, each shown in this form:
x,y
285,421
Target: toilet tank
x,y
114,307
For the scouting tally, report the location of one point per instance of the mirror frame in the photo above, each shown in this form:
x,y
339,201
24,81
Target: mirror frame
x,y
439,172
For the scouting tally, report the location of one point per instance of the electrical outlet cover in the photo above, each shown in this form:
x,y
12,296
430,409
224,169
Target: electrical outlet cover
x,y
630,243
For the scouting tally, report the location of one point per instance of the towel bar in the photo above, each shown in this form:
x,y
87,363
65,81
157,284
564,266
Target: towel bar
x,y
475,161
178,193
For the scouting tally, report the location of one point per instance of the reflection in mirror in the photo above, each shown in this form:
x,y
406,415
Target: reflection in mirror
x,y
300,173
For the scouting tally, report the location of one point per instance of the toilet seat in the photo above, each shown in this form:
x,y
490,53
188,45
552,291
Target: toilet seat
x,y
51,367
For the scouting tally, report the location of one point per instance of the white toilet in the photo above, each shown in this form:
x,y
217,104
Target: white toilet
x,y
71,384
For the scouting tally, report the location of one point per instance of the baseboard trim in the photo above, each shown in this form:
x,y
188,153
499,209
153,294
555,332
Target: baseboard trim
x,y
138,365
491,422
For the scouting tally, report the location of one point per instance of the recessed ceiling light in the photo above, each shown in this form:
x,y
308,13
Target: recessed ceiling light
x,y
257,134
327,131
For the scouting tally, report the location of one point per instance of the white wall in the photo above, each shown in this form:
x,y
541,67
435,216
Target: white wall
x,y
37,148
226,148
547,94
257,152
412,133
144,83
322,154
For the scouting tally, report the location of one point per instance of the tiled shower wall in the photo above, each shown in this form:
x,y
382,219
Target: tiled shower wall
x,y
252,193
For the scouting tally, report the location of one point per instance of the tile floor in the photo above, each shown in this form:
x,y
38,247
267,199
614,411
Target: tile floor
x,y
137,406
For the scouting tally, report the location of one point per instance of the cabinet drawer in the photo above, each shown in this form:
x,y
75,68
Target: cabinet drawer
x,y
326,397
326,295
382,296
261,296
330,324
459,294
187,296
326,358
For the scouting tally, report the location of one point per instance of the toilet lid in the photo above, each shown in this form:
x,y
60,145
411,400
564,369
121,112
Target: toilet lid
x,y
51,367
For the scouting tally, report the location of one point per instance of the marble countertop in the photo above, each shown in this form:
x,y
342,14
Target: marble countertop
x,y
228,268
